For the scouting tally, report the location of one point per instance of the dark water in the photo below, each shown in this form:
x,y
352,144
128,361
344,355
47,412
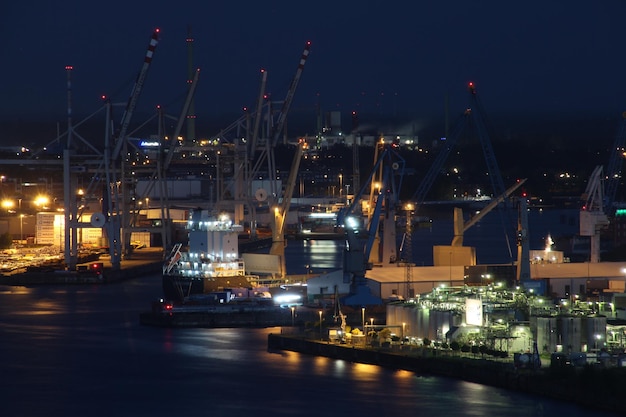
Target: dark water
x,y
493,237
80,351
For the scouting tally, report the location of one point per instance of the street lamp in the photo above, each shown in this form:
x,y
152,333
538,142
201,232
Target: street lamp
x,y
320,324
340,184
293,310
21,227
363,318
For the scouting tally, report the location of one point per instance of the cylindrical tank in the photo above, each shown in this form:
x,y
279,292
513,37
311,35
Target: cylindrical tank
x,y
595,332
546,334
570,334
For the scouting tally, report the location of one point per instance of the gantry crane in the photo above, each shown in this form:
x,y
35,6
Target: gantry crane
x,y
473,113
614,168
159,175
593,219
388,170
281,211
110,171
266,153
255,146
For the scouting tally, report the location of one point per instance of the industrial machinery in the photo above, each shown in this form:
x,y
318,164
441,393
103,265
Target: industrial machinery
x,y
456,253
362,242
593,218
281,210
472,114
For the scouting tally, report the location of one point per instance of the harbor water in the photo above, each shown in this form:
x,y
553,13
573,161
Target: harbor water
x,y
76,350
80,350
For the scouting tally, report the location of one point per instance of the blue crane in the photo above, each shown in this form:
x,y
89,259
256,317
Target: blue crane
x,y
387,173
614,169
473,113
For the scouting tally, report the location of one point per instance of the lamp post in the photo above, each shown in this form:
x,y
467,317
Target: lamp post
x,y
340,185
320,324
293,312
363,318
21,227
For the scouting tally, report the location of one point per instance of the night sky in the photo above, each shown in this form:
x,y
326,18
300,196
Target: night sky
x,y
536,59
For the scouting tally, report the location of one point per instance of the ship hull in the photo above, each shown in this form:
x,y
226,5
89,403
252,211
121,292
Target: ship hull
x,y
178,288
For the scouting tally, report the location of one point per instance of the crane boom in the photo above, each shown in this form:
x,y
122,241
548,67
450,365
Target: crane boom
x,y
134,97
614,169
458,235
258,115
497,184
282,116
181,120
281,211
474,113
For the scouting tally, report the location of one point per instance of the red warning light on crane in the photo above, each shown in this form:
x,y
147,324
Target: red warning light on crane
x,y
471,87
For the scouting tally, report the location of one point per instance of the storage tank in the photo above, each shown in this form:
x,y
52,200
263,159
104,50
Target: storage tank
x,y
570,333
422,318
547,334
595,332
390,314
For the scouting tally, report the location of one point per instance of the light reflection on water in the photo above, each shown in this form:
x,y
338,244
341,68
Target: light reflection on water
x,y
88,355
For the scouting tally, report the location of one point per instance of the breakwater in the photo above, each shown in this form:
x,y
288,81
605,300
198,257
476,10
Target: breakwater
x,y
592,387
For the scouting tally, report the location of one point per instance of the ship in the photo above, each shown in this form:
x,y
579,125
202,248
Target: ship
x,y
319,225
209,263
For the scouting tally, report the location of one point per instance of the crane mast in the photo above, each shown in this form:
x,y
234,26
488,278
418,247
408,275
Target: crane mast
x,y
266,151
614,169
118,218
136,92
592,216
281,211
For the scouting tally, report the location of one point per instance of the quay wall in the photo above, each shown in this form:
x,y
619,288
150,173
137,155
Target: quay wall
x,y
588,387
108,275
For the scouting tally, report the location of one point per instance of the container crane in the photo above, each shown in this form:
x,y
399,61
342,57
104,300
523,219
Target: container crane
x,y
266,152
456,253
474,113
358,250
614,169
282,210
115,193
159,176
593,219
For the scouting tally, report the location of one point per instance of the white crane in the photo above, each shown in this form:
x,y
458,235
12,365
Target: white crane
x,y
592,216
